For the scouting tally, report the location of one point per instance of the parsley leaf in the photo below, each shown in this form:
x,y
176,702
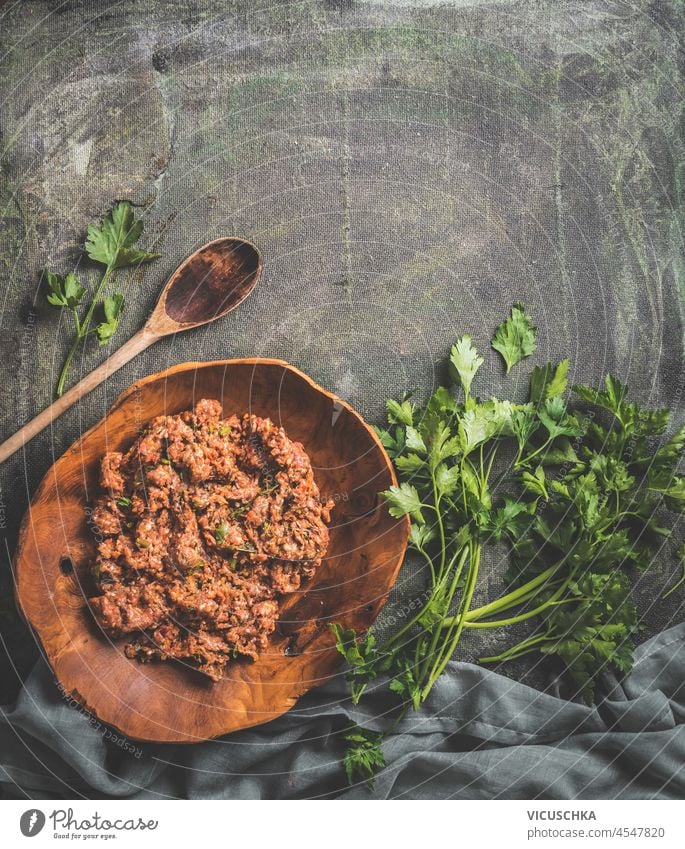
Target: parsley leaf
x,y
113,307
446,479
409,463
415,441
670,453
441,409
514,339
404,500
474,428
596,632
405,685
613,399
361,654
64,291
442,445
535,482
524,423
393,443
555,419
111,242
464,363
548,381
511,518
673,493
421,535
364,757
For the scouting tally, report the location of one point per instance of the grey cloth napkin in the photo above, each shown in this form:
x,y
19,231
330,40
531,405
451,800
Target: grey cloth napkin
x,y
479,736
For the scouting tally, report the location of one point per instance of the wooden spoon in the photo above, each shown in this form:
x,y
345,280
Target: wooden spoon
x,y
206,286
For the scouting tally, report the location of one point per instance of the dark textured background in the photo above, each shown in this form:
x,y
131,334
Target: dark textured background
x,y
407,170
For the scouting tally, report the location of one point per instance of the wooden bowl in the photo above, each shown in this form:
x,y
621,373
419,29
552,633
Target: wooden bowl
x,y
168,702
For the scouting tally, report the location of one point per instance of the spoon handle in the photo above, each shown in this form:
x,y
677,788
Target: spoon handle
x,y
142,340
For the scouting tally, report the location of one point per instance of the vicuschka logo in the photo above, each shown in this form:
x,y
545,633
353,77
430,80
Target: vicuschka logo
x,y
32,822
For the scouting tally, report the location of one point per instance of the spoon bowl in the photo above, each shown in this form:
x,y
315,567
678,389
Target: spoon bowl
x,y
212,282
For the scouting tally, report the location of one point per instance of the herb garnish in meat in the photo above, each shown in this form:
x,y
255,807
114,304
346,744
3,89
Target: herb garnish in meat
x,y
574,492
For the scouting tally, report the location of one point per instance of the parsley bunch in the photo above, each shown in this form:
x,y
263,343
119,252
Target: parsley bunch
x,y
577,498
110,244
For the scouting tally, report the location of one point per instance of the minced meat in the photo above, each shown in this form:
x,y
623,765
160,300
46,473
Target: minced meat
x,y
203,525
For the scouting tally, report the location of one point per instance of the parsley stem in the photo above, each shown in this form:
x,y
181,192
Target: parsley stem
x,y
67,363
675,586
403,630
524,647
428,560
437,628
81,330
491,460
523,462
442,662
441,527
462,462
617,518
471,618
561,589
521,616
514,597
413,621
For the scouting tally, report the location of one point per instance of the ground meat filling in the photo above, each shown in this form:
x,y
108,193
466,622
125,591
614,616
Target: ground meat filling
x,y
204,524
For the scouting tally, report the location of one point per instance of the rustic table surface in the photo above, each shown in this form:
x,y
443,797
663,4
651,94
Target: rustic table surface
x,y
408,170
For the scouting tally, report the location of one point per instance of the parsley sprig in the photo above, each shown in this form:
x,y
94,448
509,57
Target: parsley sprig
x,y
110,244
582,476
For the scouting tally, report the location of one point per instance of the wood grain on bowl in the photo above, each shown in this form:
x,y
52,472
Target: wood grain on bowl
x,y
169,702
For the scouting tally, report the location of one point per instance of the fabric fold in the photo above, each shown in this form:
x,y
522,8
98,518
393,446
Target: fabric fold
x,y
479,736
